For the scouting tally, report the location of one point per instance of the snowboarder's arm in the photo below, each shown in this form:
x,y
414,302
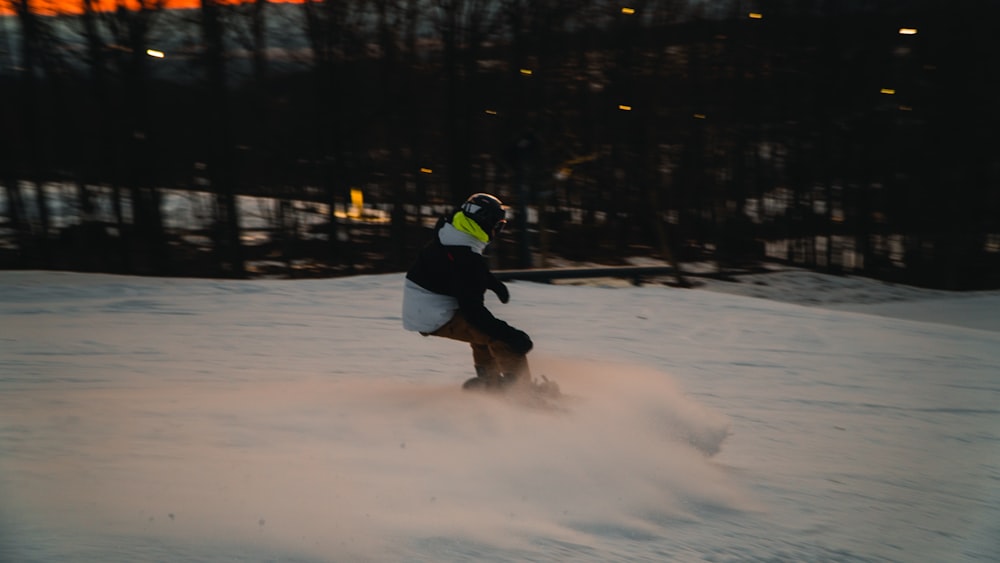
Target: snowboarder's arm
x,y
470,302
498,287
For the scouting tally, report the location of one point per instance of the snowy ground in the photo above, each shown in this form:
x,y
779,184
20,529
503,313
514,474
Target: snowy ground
x,y
199,420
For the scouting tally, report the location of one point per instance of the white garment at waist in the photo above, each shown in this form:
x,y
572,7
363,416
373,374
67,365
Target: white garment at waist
x,y
424,310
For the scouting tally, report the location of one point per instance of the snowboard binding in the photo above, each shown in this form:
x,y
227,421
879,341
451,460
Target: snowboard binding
x,y
501,384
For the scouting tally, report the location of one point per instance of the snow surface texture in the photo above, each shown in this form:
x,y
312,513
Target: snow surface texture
x,y
199,420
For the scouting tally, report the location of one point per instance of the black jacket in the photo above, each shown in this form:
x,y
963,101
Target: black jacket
x,y
461,273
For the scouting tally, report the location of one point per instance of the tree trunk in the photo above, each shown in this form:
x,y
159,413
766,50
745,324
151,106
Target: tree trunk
x,y
220,165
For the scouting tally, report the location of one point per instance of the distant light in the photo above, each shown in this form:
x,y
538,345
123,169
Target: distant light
x,y
905,108
624,107
907,31
156,54
888,91
699,116
526,71
491,112
357,203
424,170
628,11
756,15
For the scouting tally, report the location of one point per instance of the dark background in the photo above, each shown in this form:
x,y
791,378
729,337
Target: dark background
x,y
809,133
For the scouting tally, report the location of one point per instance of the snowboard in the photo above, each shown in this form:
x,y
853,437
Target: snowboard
x,y
543,393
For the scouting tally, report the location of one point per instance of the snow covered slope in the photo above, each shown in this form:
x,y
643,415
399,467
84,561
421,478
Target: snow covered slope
x,y
200,420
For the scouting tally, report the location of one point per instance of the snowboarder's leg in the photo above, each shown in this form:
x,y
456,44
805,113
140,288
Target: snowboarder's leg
x,y
485,364
513,365
490,357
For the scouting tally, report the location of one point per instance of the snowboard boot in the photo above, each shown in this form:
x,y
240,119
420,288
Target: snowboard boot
x,y
487,378
513,381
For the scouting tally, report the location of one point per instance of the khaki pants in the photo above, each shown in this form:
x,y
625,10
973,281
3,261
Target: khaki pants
x,y
490,356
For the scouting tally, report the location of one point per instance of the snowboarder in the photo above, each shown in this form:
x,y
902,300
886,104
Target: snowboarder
x,y
445,288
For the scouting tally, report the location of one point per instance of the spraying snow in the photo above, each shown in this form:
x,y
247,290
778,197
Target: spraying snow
x,y
198,420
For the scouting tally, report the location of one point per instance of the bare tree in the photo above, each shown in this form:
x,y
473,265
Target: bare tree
x,y
219,159
395,110
333,32
33,51
117,44
464,26
10,121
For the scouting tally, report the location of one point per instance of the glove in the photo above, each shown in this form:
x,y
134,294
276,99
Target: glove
x,y
519,341
501,290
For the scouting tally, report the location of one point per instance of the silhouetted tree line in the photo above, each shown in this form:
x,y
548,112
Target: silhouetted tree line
x,y
853,137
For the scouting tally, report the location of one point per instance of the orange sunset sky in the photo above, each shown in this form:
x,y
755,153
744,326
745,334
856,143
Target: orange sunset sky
x,y
54,7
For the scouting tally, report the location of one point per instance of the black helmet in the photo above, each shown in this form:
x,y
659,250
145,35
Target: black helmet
x,y
487,211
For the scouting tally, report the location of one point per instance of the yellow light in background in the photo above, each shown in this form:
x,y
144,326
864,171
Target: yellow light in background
x,y
424,170
907,31
905,108
628,11
526,71
889,91
756,15
156,54
357,202
624,107
699,116
491,112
